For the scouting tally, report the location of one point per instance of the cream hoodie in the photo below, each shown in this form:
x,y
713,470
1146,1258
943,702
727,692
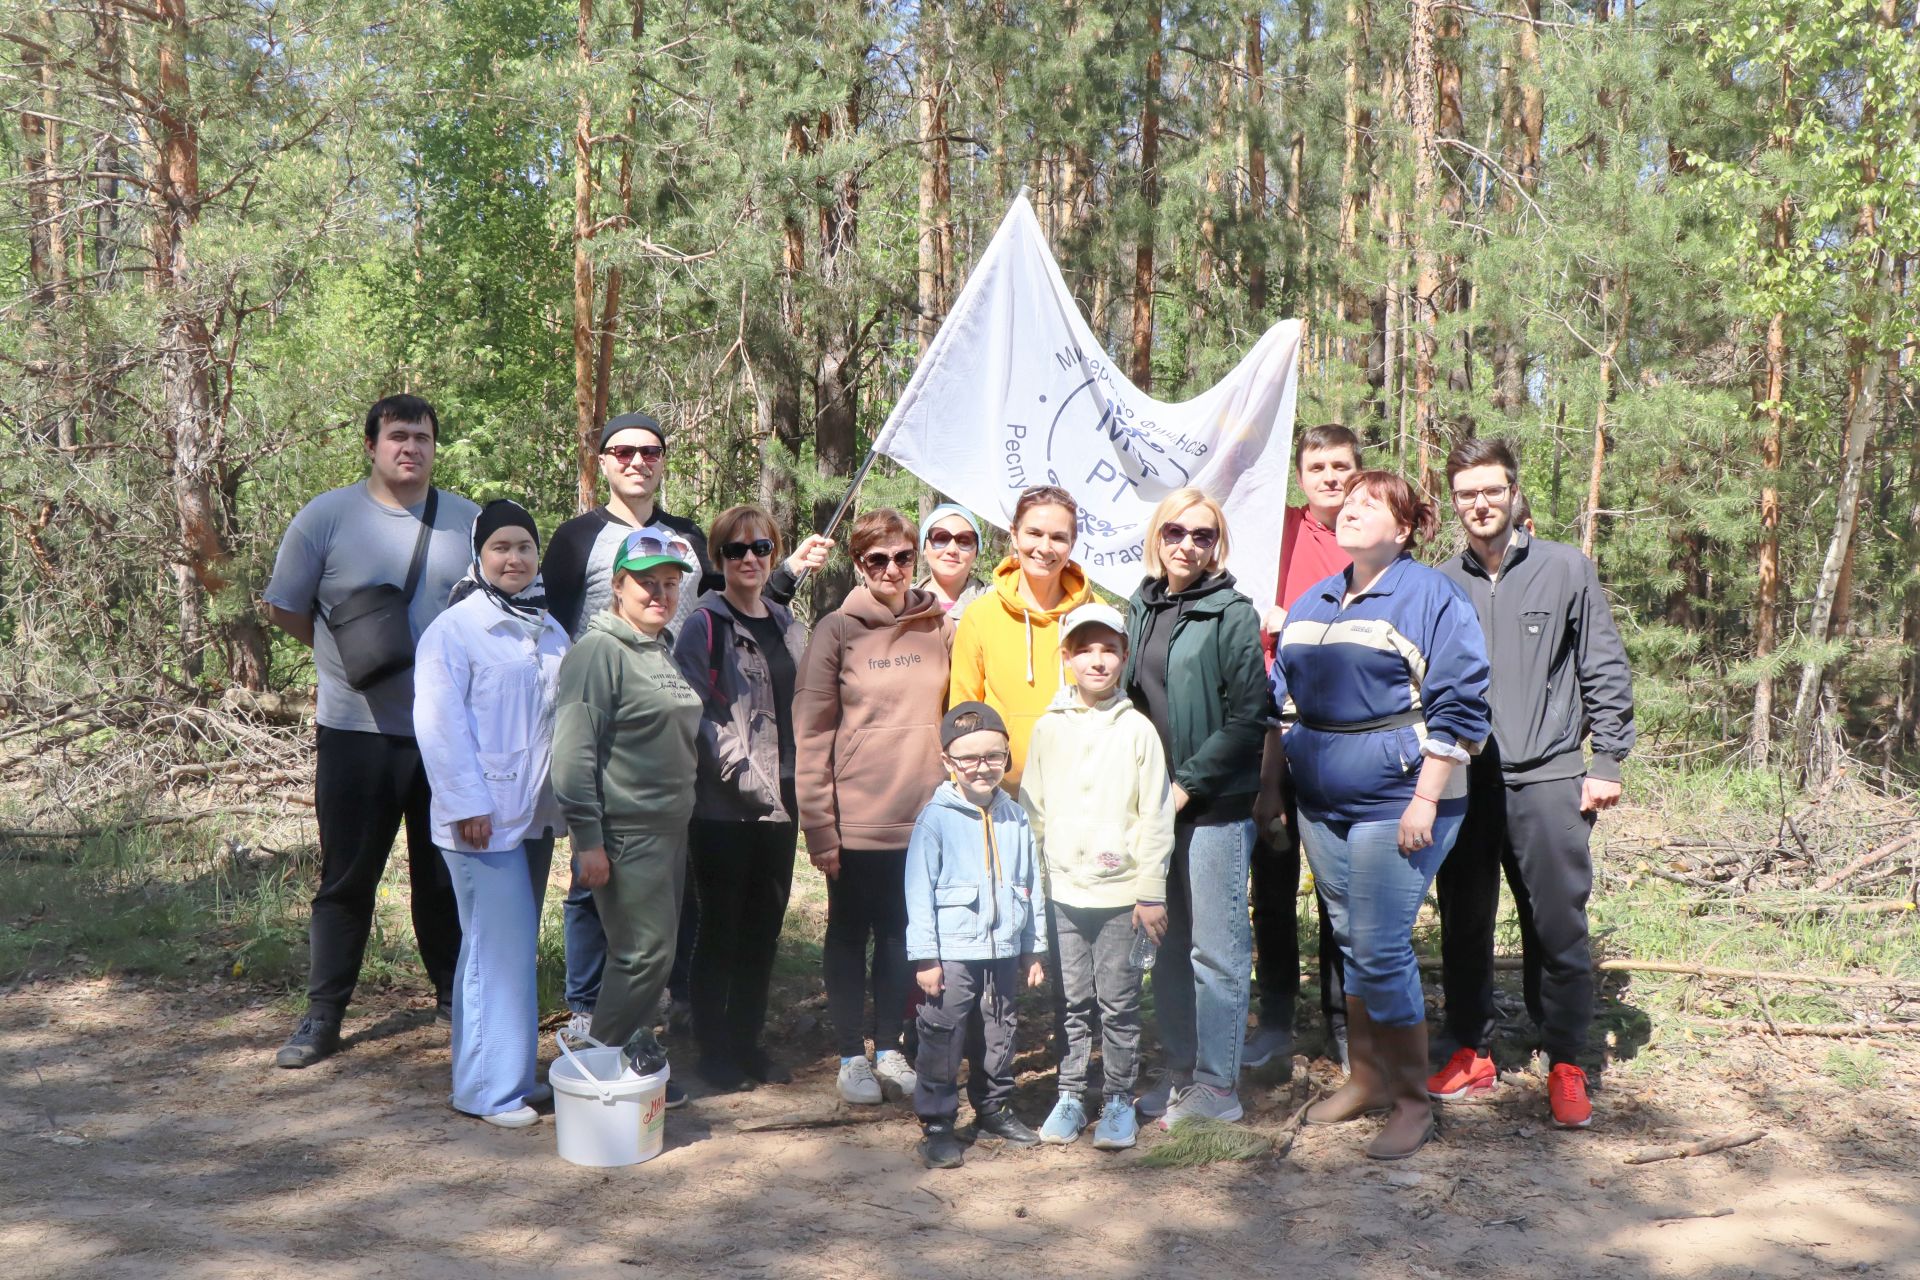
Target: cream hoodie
x,y
1102,775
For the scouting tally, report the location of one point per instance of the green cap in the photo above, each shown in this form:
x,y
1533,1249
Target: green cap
x,y
654,545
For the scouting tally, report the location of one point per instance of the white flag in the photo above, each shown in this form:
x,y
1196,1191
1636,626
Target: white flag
x,y
1014,391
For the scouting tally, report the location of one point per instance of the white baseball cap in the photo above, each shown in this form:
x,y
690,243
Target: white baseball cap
x,y
1092,613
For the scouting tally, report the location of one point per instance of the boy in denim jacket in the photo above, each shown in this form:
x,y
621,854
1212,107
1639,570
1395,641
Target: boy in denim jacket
x,y
976,924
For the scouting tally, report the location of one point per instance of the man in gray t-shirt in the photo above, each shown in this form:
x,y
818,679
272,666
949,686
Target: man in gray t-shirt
x,y
368,778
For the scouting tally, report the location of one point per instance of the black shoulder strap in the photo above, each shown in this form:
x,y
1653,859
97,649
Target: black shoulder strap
x,y
419,564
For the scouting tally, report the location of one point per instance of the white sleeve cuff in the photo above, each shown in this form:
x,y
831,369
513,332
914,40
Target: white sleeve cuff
x,y
1443,749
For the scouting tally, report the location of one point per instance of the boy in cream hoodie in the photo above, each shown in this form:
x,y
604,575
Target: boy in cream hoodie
x,y
1097,794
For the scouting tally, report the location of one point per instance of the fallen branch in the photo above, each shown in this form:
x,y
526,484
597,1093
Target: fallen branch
x,y
1866,860
1704,1147
1829,1030
819,1119
1683,969
1693,1217
154,820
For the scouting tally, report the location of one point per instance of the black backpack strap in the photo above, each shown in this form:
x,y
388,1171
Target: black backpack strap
x,y
419,564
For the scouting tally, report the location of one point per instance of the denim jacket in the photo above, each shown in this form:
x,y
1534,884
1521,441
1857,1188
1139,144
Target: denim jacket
x,y
973,881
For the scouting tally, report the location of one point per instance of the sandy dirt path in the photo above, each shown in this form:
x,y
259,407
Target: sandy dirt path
x,y
144,1132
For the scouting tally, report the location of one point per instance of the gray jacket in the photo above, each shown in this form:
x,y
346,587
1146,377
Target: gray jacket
x,y
1559,669
739,779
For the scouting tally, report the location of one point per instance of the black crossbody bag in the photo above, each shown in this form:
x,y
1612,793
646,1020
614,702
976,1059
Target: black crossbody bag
x,y
370,627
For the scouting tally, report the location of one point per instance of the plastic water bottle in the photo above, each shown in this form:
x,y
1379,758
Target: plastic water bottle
x,y
1144,950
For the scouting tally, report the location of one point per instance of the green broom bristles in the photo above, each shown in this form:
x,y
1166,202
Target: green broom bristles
x,y
1196,1142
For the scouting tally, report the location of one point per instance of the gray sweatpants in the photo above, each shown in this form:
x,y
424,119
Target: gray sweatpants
x,y
985,986
1095,945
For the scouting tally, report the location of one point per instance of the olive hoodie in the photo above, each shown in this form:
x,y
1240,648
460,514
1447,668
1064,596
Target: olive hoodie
x,y
1100,803
866,721
1008,655
626,724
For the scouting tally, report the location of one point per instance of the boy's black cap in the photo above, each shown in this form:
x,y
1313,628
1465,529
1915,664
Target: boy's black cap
x,y
627,421
969,717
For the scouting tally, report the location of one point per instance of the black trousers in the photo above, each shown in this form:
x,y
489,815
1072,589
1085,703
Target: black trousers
x,y
743,872
868,899
1276,938
1537,833
972,1019
365,786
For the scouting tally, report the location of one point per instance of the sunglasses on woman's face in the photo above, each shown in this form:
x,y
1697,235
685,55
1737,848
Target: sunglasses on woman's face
x,y
876,562
624,454
1172,535
762,547
940,540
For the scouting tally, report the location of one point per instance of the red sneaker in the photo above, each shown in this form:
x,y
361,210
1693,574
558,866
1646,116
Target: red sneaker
x,y
1467,1073
1567,1095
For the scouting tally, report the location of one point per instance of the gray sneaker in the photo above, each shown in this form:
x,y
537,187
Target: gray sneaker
x,y
1203,1102
1263,1044
1155,1101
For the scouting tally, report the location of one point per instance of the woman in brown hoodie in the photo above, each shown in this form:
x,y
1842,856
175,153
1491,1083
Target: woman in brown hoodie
x,y
866,716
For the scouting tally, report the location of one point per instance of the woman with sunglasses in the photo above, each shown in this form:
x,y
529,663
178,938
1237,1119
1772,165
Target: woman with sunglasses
x,y
950,541
866,720
741,653
1194,667
1006,651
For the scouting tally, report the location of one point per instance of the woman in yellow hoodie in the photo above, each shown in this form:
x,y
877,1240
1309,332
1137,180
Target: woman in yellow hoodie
x,y
1007,650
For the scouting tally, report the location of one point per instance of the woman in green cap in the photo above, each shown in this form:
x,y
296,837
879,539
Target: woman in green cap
x,y
624,759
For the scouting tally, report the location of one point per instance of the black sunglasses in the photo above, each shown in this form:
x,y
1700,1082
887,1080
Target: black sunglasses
x,y
940,539
762,547
1172,535
877,561
624,454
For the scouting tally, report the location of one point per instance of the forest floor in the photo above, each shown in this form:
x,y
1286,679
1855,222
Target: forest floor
x,y
145,1132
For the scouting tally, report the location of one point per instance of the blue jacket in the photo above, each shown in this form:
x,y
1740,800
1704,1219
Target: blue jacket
x,y
973,884
1364,690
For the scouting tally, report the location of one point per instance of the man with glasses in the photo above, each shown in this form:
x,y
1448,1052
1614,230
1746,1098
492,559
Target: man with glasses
x,y
578,573
1559,673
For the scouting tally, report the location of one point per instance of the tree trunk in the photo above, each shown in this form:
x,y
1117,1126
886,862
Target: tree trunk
x,y
1589,536
1523,119
586,434
1142,369
836,383
936,253
1770,402
610,305
194,440
1256,209
1356,176
1422,100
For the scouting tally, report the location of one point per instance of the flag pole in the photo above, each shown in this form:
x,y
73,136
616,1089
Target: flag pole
x,y
840,512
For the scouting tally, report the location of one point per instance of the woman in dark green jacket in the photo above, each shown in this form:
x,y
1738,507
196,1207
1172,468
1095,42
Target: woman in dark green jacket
x,y
1194,669
624,759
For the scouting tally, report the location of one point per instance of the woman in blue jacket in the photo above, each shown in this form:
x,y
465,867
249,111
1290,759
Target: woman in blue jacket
x,y
1381,681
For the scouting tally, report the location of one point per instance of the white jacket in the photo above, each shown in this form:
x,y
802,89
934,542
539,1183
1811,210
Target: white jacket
x,y
1097,794
483,715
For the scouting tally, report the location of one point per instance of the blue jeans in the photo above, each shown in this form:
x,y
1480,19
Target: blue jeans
x,y
1373,895
1201,979
496,1003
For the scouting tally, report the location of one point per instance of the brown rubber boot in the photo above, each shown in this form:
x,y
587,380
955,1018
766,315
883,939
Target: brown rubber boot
x,y
1403,1051
1367,1090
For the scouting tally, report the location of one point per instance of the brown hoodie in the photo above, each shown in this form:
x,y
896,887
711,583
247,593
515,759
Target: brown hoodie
x,y
866,721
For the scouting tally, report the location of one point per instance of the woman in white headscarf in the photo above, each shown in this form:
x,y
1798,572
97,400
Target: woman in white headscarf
x,y
484,678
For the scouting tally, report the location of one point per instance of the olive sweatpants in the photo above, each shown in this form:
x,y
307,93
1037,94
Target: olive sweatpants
x,y
639,907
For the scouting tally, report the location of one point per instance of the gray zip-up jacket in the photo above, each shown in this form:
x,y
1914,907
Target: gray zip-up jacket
x,y
1559,669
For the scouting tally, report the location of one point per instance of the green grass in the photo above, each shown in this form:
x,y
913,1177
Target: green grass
x,y
1193,1143
1859,1067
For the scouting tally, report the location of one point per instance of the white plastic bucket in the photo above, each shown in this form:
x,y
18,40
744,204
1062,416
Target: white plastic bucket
x,y
603,1113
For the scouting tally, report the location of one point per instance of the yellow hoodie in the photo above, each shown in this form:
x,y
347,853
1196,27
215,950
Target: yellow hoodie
x,y
1008,656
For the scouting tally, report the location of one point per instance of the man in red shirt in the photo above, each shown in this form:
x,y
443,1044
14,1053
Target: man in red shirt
x,y
1325,456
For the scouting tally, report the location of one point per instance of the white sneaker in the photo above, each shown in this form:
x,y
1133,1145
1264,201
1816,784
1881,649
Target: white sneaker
x,y
518,1118
897,1079
579,1026
857,1083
